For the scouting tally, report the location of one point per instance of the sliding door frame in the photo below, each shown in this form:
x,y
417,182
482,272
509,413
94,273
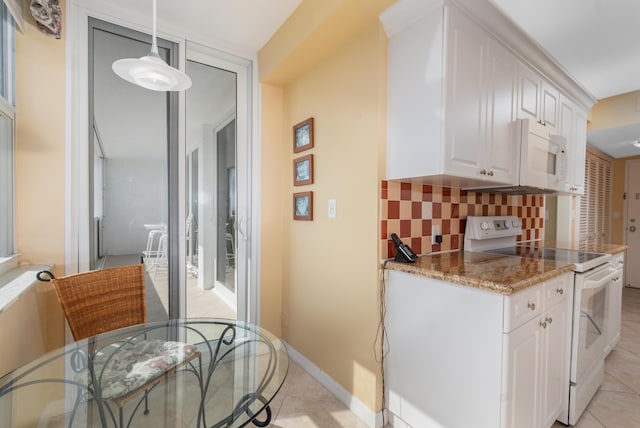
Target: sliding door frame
x,y
79,148
77,220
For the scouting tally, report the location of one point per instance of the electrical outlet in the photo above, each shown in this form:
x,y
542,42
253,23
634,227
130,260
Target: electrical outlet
x,y
435,230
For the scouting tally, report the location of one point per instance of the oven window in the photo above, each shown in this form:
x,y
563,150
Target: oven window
x,y
592,316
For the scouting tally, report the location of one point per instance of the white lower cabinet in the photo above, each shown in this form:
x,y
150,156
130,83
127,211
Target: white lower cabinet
x,y
537,380
461,357
615,302
523,375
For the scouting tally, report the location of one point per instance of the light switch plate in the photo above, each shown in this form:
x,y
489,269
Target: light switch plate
x,y
332,208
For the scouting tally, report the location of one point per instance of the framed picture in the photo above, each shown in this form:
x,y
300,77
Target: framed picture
x,y
303,170
303,206
303,135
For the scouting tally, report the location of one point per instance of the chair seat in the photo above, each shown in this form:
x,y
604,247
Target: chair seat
x,y
124,368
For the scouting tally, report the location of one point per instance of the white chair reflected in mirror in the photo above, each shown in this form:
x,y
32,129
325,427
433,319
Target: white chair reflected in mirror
x,y
155,253
231,250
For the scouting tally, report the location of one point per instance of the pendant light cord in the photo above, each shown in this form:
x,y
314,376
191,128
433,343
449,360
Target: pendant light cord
x,y
154,44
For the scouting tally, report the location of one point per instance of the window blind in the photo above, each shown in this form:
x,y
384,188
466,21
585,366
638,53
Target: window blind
x,y
595,204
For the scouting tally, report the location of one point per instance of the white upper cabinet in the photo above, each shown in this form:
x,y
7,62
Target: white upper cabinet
x,y
457,84
538,99
450,105
573,126
479,129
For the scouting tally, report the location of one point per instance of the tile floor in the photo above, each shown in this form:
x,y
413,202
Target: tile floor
x,y
304,403
200,303
617,403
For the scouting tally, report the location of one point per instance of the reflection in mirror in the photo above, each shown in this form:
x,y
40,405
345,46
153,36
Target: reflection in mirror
x,y
129,168
211,229
560,223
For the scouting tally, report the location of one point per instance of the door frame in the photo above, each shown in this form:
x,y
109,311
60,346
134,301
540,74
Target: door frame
x,y
247,173
77,222
625,217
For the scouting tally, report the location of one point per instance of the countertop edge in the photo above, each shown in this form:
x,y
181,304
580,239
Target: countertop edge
x,y
493,286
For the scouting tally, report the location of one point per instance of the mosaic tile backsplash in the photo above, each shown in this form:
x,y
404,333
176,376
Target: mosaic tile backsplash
x,y
410,210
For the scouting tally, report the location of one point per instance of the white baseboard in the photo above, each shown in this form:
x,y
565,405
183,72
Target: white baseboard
x,y
372,419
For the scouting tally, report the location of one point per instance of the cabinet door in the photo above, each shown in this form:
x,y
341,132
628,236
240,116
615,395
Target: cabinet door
x,y
529,89
578,151
538,99
566,124
566,120
549,104
555,354
523,367
465,100
615,309
500,153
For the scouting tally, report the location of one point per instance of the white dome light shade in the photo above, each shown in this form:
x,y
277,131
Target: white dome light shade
x,y
637,144
150,71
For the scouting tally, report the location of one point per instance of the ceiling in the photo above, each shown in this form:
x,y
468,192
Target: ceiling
x,y
248,24
596,41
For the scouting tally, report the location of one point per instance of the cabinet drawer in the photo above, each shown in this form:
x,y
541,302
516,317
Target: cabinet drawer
x,y
617,261
557,289
521,307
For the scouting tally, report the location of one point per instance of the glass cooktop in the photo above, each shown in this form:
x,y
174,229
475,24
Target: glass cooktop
x,y
579,258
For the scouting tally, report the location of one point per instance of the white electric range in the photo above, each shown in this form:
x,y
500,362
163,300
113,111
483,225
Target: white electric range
x,y
592,280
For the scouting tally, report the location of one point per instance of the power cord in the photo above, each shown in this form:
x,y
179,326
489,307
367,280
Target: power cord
x,y
381,337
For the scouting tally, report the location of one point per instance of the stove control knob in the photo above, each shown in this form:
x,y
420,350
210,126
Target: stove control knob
x,y
515,223
484,225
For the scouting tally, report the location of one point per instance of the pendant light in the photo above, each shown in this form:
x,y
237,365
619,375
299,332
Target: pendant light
x,y
151,71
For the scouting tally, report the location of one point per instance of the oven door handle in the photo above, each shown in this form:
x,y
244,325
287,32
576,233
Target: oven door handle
x,y
599,279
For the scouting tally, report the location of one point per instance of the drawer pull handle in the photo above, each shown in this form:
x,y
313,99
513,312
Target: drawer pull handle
x,y
548,320
560,291
531,306
543,324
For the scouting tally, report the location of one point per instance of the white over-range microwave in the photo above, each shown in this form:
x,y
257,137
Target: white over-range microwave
x,y
543,157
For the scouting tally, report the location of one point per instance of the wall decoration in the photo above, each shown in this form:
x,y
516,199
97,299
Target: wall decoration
x,y
303,170
303,206
303,135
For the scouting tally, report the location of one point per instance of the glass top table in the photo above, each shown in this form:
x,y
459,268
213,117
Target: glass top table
x,y
203,373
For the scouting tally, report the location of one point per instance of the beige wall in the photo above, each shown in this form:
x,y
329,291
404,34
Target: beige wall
x,y
327,270
40,147
40,175
615,111
274,192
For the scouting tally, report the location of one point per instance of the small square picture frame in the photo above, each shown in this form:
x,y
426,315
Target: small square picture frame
x,y
303,206
303,136
303,170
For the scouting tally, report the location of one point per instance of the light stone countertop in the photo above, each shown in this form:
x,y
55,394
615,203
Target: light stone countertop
x,y
502,274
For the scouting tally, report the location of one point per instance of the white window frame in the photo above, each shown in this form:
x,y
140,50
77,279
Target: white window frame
x,y
8,243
